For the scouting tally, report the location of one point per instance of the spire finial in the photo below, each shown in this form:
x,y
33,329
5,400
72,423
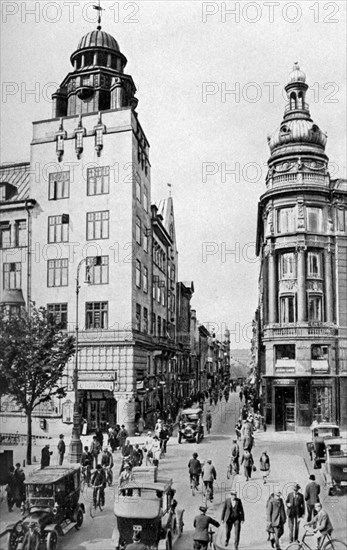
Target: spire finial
x,y
99,9
169,186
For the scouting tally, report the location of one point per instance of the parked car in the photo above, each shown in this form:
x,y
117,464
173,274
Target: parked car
x,y
52,508
146,505
335,467
190,425
320,431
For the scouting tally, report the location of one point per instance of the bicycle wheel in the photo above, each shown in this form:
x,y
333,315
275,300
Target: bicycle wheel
x,y
101,503
92,510
193,487
335,544
295,546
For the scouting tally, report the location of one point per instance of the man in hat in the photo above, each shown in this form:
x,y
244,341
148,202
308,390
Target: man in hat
x,y
233,515
276,518
295,511
137,544
201,524
312,497
45,456
321,523
209,474
61,449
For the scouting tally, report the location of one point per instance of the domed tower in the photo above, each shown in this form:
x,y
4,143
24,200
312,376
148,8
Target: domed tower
x,y
296,240
97,82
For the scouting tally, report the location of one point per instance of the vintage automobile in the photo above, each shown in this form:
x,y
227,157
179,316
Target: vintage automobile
x,y
335,467
320,431
52,508
190,425
146,505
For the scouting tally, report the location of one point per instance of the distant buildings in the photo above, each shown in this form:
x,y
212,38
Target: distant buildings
x,y
300,334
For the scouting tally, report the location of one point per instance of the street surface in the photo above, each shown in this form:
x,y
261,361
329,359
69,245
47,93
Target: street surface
x,y
289,464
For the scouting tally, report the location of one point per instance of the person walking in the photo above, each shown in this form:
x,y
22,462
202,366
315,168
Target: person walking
x,y
20,478
295,511
99,436
265,465
94,450
235,455
61,449
137,455
312,492
45,456
233,515
11,489
122,437
209,474
248,462
201,524
141,425
276,518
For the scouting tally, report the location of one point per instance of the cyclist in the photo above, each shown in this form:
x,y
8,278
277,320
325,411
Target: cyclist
x,y
107,464
321,524
99,482
209,474
201,524
86,463
194,467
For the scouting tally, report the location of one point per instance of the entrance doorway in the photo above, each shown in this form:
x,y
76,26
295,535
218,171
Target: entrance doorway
x,y
285,408
99,409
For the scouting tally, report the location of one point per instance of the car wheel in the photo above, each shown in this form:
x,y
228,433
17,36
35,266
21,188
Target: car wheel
x,y
52,540
79,520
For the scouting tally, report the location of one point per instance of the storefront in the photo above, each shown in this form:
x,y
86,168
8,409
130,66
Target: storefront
x,y
98,405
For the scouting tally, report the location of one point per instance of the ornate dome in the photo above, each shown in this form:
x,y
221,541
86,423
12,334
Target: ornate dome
x,y
299,130
297,75
98,39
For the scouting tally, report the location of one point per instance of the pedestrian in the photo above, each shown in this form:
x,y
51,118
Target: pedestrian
x,y
124,479
241,395
11,489
276,518
61,449
295,511
45,456
265,465
99,436
136,544
141,425
248,442
312,491
20,478
201,524
233,515
238,428
248,463
235,455
158,427
209,474
194,468
321,524
128,450
94,450
122,436
137,455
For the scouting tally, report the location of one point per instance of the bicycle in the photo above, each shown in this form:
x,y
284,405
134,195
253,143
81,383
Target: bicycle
x,y
194,483
210,538
208,494
109,476
232,470
327,543
98,501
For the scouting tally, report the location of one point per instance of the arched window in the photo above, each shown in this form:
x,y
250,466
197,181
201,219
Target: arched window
x,y
293,102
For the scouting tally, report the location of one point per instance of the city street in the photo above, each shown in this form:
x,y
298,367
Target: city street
x,y
289,464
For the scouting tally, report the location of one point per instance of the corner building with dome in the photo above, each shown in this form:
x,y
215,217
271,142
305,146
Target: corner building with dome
x,y
301,321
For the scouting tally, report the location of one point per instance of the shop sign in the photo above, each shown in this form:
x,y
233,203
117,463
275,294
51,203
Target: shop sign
x,y
96,375
95,385
321,382
285,369
284,382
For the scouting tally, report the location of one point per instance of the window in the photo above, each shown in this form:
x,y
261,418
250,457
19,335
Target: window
x,y
145,279
145,239
163,294
58,272
145,320
138,273
58,229
98,225
314,219
164,328
341,220
98,180
159,326
59,312
97,270
153,324
158,294
138,317
321,403
3,194
145,199
314,264
5,235
287,309
314,308
285,351
287,266
286,220
319,353
96,315
138,230
138,188
21,234
12,276
59,186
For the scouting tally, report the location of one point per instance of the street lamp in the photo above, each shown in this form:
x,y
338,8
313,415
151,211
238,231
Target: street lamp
x,y
75,449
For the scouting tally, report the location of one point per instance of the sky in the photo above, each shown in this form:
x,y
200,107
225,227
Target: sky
x,y
210,78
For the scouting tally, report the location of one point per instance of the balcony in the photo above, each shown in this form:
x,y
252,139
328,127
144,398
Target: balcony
x,y
298,331
299,178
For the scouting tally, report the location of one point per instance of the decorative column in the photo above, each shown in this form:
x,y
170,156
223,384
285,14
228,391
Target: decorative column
x,y
272,305
329,314
301,284
125,410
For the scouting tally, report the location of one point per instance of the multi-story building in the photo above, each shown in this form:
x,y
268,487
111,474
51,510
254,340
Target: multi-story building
x,y
301,240
79,236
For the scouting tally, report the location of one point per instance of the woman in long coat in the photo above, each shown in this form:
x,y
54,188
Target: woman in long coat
x,y
248,462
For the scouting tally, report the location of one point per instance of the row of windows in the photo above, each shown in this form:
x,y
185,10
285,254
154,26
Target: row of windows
x,y
141,234
287,305
15,236
288,265
141,276
286,219
158,324
141,193
287,351
159,256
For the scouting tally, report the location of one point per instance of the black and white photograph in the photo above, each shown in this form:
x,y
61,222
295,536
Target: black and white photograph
x,y
173,275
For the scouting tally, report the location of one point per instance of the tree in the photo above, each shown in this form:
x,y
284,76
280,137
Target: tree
x,y
34,352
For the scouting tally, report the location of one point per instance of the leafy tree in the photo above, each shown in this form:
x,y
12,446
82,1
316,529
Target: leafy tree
x,y
34,352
